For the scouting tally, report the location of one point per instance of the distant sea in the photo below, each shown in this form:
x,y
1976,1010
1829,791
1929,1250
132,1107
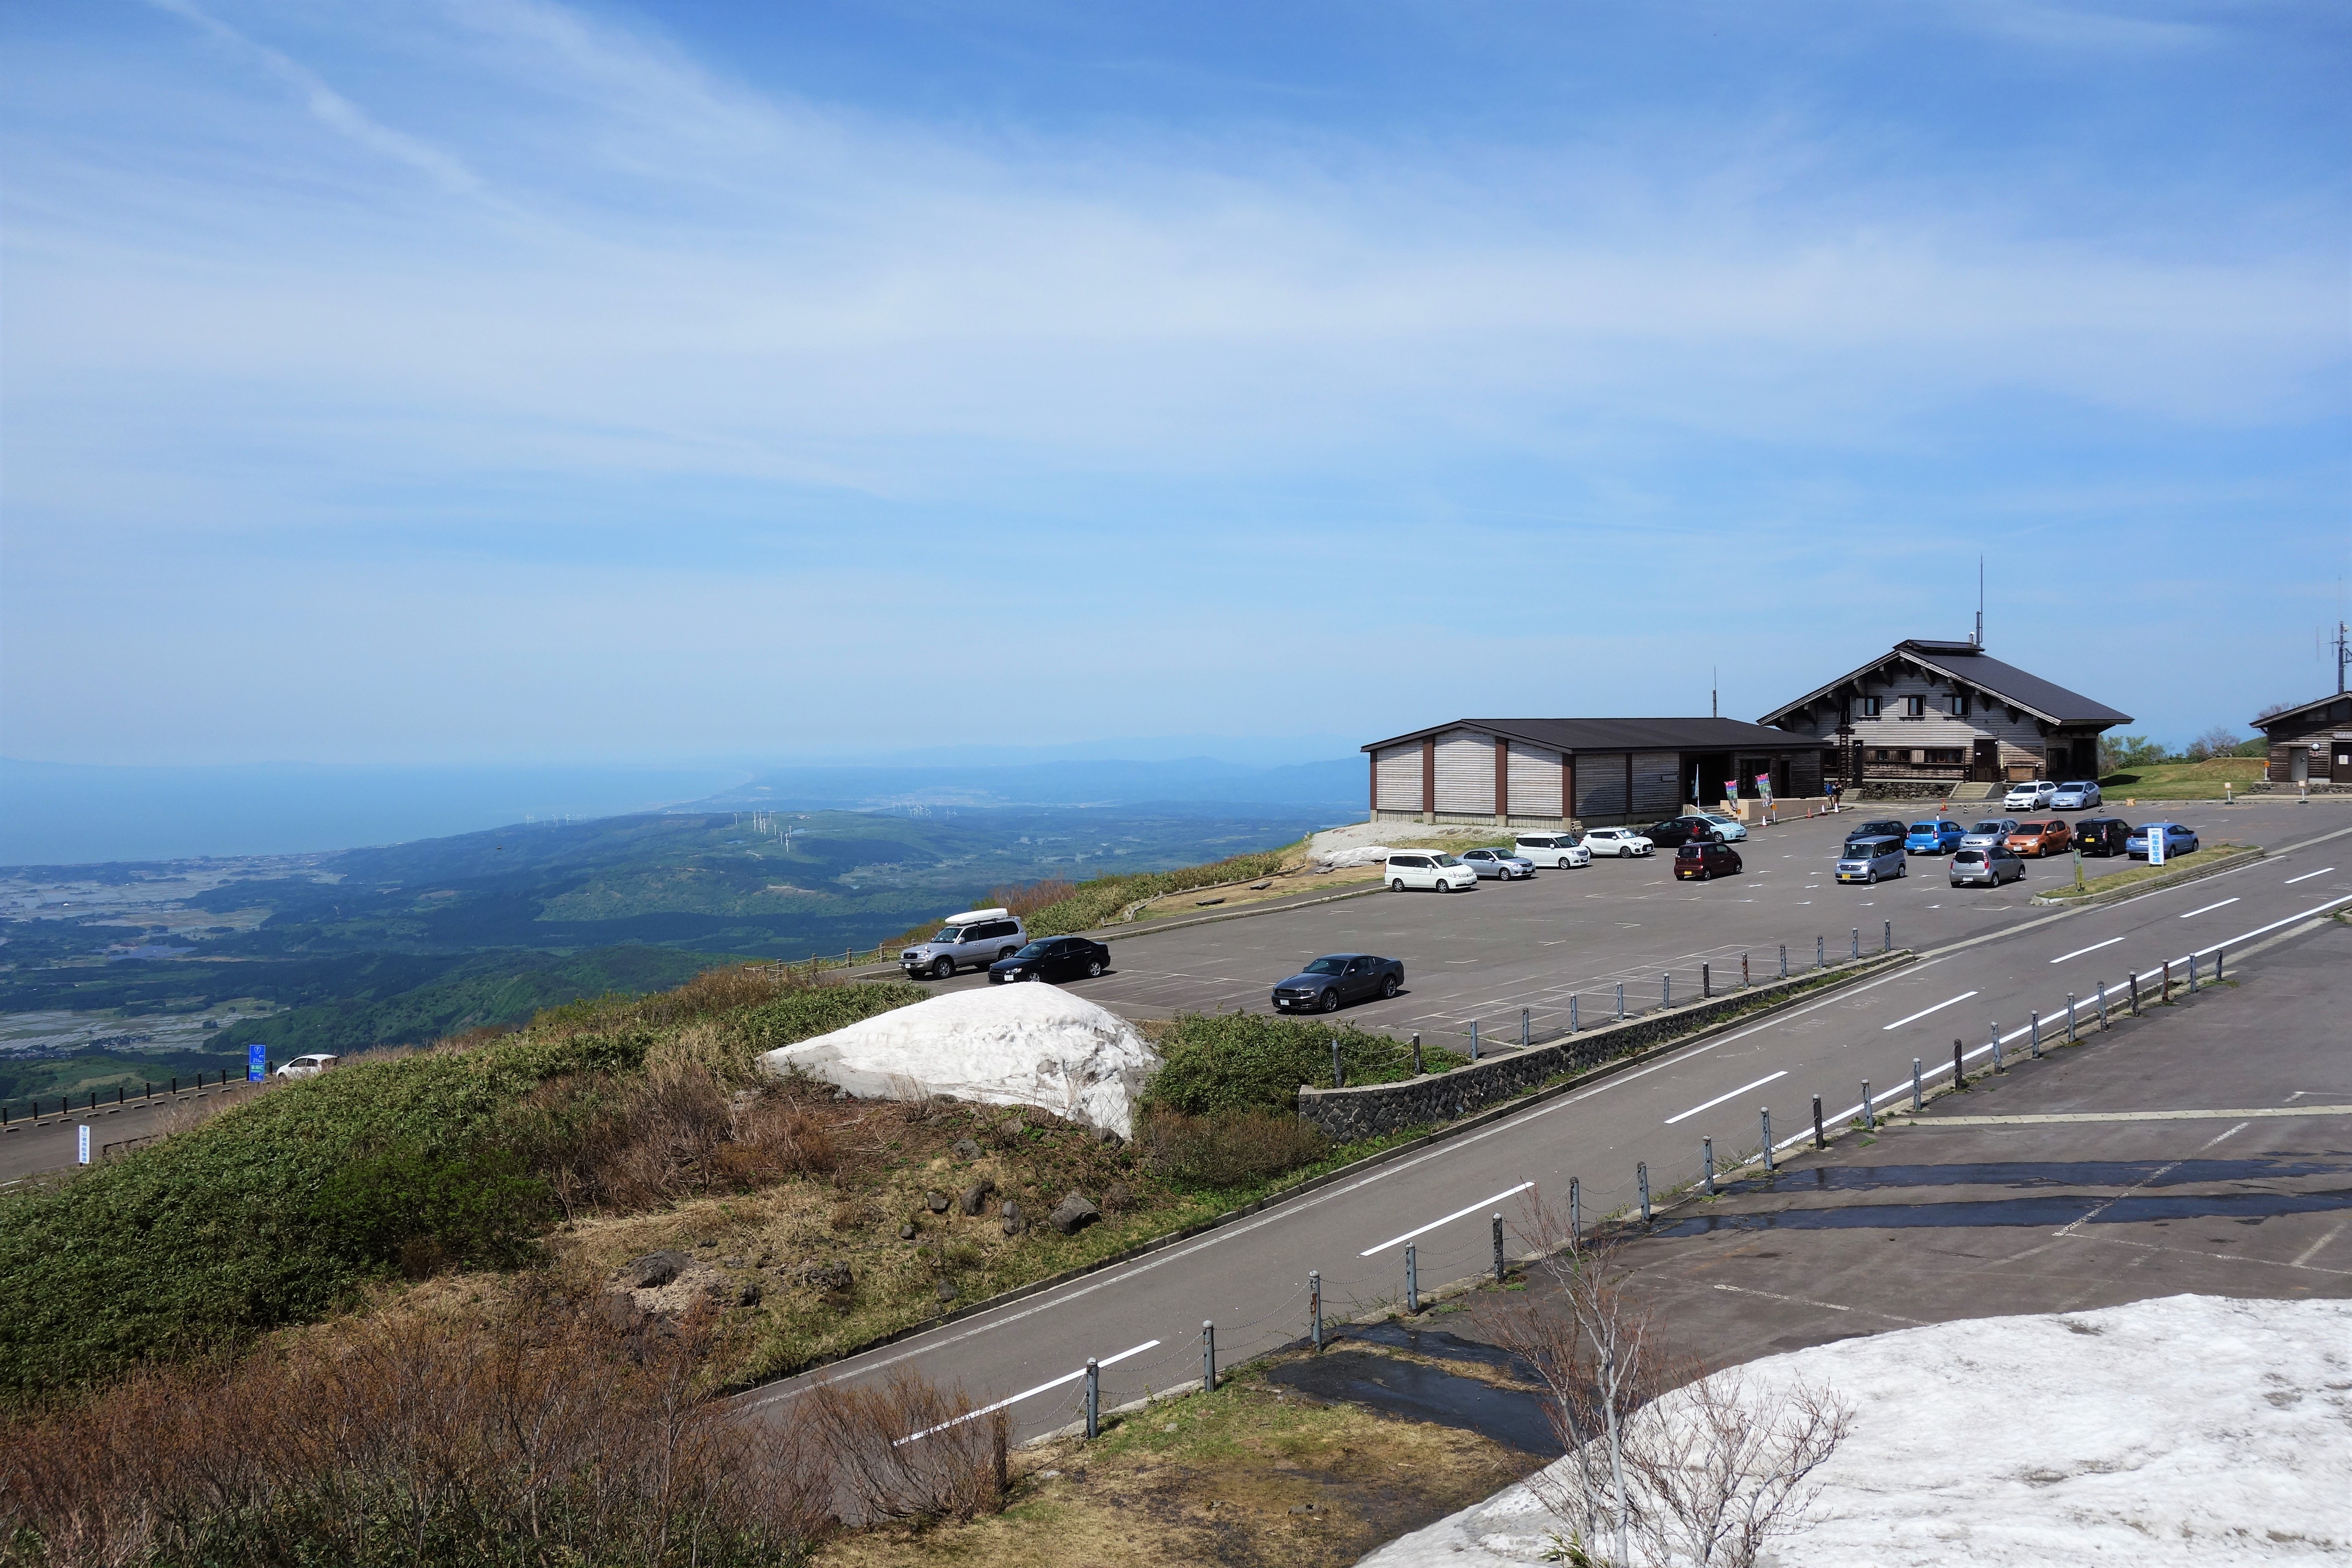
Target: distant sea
x,y
63,814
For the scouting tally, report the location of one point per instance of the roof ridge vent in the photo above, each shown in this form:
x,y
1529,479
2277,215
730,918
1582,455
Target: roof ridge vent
x,y
1936,644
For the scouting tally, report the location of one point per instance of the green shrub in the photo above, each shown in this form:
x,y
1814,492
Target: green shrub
x,y
1247,1061
278,1211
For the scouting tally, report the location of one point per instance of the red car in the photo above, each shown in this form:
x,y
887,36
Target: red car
x,y
1704,861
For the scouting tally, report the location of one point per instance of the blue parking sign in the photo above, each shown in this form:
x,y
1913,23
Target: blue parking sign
x,y
257,1063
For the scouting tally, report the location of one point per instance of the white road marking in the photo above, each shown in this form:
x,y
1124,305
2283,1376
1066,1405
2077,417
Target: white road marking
x,y
2209,909
1925,1011
1025,1393
1449,1219
2307,877
2080,950
1809,1302
2024,1120
1719,1099
2308,1253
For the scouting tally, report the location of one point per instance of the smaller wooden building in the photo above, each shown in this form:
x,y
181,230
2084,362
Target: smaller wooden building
x,y
2310,743
1580,773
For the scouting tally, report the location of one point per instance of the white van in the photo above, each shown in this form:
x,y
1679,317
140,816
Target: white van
x,y
1556,850
976,938
1428,869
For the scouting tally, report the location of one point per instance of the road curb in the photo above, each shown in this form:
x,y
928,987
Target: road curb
x,y
2188,874
1837,979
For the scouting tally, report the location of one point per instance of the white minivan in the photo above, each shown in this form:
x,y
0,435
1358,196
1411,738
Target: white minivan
x,y
1428,869
1556,850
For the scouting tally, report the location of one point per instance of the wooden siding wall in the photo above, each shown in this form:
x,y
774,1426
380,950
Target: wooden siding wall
x,y
1465,772
1658,784
1939,728
1805,774
1538,779
1400,774
1600,784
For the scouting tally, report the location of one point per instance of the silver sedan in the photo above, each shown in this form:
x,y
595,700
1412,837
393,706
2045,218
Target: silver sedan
x,y
1499,863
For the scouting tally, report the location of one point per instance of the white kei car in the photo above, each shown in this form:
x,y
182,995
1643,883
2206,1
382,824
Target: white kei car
x,y
1427,868
1557,850
1621,842
1731,829
308,1067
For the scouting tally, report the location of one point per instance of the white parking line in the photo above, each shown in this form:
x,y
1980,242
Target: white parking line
x,y
1925,1011
1719,1099
2307,877
2209,909
2080,950
1025,1393
1449,1219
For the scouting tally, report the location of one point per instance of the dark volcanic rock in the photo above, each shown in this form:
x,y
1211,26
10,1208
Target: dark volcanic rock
x,y
1073,1214
975,1197
965,1149
655,1270
1014,1224
936,1201
906,1231
827,1276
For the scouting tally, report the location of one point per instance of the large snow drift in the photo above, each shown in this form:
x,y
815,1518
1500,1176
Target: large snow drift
x,y
1022,1044
2191,1430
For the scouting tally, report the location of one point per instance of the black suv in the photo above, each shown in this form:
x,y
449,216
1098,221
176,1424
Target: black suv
x,y
2101,835
1051,958
1879,830
1681,830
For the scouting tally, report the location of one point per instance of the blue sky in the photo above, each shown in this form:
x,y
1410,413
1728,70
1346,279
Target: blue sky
x,y
499,382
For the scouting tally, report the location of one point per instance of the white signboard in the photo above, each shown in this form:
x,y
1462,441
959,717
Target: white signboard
x,y
2155,844
84,1151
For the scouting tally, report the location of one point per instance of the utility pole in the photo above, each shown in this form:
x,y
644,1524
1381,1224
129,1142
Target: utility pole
x,y
2342,647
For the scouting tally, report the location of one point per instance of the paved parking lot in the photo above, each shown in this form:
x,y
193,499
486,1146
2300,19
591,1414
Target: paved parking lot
x,y
1534,944
2240,1185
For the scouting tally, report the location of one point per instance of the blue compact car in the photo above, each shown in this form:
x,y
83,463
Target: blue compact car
x,y
2178,841
1933,839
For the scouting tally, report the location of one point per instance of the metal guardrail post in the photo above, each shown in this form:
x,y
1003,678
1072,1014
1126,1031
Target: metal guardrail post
x,y
1417,1068
1666,989
1411,1280
1315,1302
1571,1014
2133,981
1208,1356
1960,1069
1918,1089
1767,1115
1706,1161
1498,1249
1743,972
1889,944
1642,1174
2163,994
2217,963
1997,1066
1524,1040
2103,1004
1784,961
1094,1400
2033,1024
1820,953
2070,1018
1621,1001
1857,941
1869,1111
1706,981
1820,1139
1575,1209
2193,975
1338,1074
1474,1039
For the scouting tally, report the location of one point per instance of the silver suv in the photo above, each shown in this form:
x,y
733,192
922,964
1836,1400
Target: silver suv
x,y
974,938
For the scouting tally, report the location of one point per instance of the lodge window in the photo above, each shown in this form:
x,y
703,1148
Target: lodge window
x,y
1945,754
1867,708
1879,755
1914,707
1960,705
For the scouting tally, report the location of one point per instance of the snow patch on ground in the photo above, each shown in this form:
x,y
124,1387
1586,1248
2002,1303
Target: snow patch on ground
x,y
1018,1044
2190,1430
1368,843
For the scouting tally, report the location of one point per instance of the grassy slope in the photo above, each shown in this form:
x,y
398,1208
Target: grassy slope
x,y
2182,781
278,1211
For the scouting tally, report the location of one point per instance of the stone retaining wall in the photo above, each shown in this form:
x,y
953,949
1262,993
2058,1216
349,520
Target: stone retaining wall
x,y
1369,1110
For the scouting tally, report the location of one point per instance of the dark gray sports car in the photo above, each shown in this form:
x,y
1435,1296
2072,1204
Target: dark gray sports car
x,y
1339,977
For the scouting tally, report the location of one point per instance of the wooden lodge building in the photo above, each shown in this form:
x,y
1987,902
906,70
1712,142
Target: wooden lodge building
x,y
1933,714
1579,773
2310,743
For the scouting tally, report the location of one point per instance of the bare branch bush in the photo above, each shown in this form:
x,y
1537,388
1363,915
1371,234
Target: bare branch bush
x,y
905,1448
542,1435
1688,1468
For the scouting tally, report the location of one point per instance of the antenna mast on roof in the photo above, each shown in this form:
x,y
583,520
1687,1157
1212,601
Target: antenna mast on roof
x,y
1979,639
1714,689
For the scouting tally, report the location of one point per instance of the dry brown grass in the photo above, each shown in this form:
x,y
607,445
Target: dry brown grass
x,y
1219,1488
544,1427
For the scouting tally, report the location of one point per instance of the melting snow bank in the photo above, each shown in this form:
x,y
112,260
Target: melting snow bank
x,y
1007,1045
2191,1430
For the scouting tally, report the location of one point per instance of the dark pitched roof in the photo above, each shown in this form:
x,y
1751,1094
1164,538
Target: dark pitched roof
x,y
1623,734
2299,711
1969,665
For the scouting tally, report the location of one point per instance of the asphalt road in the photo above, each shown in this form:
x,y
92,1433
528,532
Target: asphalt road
x,y
53,1141
1982,959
